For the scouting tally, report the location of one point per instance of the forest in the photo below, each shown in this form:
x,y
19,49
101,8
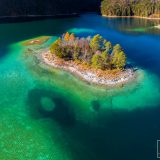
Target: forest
x,y
47,7
94,51
143,8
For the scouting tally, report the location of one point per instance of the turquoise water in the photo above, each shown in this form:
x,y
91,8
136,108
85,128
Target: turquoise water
x,y
48,114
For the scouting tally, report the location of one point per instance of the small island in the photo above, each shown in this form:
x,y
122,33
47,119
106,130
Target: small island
x,y
36,41
92,59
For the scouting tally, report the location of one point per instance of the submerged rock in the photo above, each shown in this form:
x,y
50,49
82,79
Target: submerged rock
x,y
47,104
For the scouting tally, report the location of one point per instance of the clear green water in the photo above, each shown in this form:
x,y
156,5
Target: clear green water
x,y
48,114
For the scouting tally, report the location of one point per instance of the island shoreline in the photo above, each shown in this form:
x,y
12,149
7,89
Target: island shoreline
x,y
137,17
88,76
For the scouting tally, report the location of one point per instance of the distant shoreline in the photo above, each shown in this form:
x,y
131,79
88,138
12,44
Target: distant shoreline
x,y
87,75
149,18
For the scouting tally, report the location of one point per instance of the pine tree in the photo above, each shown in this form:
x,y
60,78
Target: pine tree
x,y
108,46
122,60
117,48
97,61
56,48
119,59
96,42
97,51
106,60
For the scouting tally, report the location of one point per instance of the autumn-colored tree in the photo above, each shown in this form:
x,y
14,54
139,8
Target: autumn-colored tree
x,y
72,37
97,51
67,37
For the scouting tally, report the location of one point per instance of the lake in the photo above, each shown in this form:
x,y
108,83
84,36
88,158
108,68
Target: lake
x,y
48,114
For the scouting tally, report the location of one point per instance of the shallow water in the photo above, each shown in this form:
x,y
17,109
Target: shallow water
x,y
49,114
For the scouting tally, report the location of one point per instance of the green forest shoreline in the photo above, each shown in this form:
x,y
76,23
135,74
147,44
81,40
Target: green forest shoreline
x,y
138,17
137,9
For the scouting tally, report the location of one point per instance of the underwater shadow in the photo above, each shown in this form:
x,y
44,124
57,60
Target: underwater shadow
x,y
60,112
117,134
3,51
114,134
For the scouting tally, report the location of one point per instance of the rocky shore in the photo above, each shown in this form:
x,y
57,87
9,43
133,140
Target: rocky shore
x,y
90,75
150,18
158,26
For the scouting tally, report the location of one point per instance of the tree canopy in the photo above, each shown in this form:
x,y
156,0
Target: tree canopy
x,y
95,51
144,8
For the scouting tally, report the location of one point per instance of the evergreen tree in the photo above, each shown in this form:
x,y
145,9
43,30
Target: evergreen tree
x,y
96,42
119,59
97,61
144,8
106,59
108,46
122,60
117,48
55,47
96,51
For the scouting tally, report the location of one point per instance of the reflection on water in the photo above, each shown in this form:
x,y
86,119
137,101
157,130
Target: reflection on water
x,y
51,115
134,25
61,113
